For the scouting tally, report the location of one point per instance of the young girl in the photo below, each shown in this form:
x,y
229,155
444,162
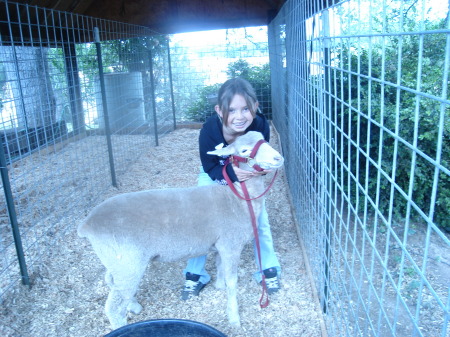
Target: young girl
x,y
236,114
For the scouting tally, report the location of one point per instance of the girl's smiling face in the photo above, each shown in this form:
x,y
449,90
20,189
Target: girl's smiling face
x,y
239,116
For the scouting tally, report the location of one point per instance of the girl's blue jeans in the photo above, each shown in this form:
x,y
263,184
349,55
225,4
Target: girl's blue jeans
x,y
196,265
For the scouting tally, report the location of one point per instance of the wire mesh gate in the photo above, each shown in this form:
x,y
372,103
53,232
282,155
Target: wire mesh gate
x,y
360,98
60,81
76,109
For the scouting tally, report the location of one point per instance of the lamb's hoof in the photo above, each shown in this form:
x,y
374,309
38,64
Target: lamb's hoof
x,y
116,324
234,319
134,307
220,284
235,323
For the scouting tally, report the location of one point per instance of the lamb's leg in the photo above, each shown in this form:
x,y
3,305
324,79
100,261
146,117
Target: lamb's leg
x,y
115,310
229,262
116,318
220,279
134,305
121,297
124,273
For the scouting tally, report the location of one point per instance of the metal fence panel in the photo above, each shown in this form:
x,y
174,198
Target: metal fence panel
x,y
105,91
201,63
359,95
363,112
51,102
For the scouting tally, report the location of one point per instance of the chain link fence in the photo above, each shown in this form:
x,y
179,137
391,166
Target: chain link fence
x,y
360,99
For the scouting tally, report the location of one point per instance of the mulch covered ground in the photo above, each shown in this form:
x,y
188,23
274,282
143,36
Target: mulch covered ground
x,y
68,293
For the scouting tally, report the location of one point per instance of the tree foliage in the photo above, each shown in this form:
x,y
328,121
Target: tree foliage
x,y
259,78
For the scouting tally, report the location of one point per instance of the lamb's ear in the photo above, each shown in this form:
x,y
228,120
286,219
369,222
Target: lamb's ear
x,y
224,151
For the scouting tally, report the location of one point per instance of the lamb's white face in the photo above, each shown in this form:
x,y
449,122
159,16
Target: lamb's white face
x,y
268,158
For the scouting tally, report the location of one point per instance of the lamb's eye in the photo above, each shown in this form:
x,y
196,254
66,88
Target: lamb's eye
x,y
244,151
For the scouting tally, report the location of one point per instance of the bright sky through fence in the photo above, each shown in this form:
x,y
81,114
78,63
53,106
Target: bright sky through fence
x,y
212,51
209,40
434,9
213,38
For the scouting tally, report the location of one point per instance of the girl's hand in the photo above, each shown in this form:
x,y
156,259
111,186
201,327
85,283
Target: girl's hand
x,y
244,175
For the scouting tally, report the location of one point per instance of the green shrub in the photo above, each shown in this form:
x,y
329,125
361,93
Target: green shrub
x,y
259,78
203,107
375,115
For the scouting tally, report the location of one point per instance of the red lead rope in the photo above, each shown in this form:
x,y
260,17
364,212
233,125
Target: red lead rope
x,y
245,197
264,300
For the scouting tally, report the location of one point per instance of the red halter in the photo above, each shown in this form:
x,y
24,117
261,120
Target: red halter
x,y
250,160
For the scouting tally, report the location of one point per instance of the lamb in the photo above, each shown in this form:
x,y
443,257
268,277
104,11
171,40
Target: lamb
x,y
128,231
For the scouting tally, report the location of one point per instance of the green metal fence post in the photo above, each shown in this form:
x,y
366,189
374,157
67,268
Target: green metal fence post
x,y
13,217
105,106
171,87
152,81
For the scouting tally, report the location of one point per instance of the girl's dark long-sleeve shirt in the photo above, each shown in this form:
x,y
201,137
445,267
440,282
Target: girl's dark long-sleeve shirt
x,y
211,136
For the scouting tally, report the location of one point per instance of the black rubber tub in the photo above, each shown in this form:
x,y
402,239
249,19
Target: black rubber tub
x,y
166,328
